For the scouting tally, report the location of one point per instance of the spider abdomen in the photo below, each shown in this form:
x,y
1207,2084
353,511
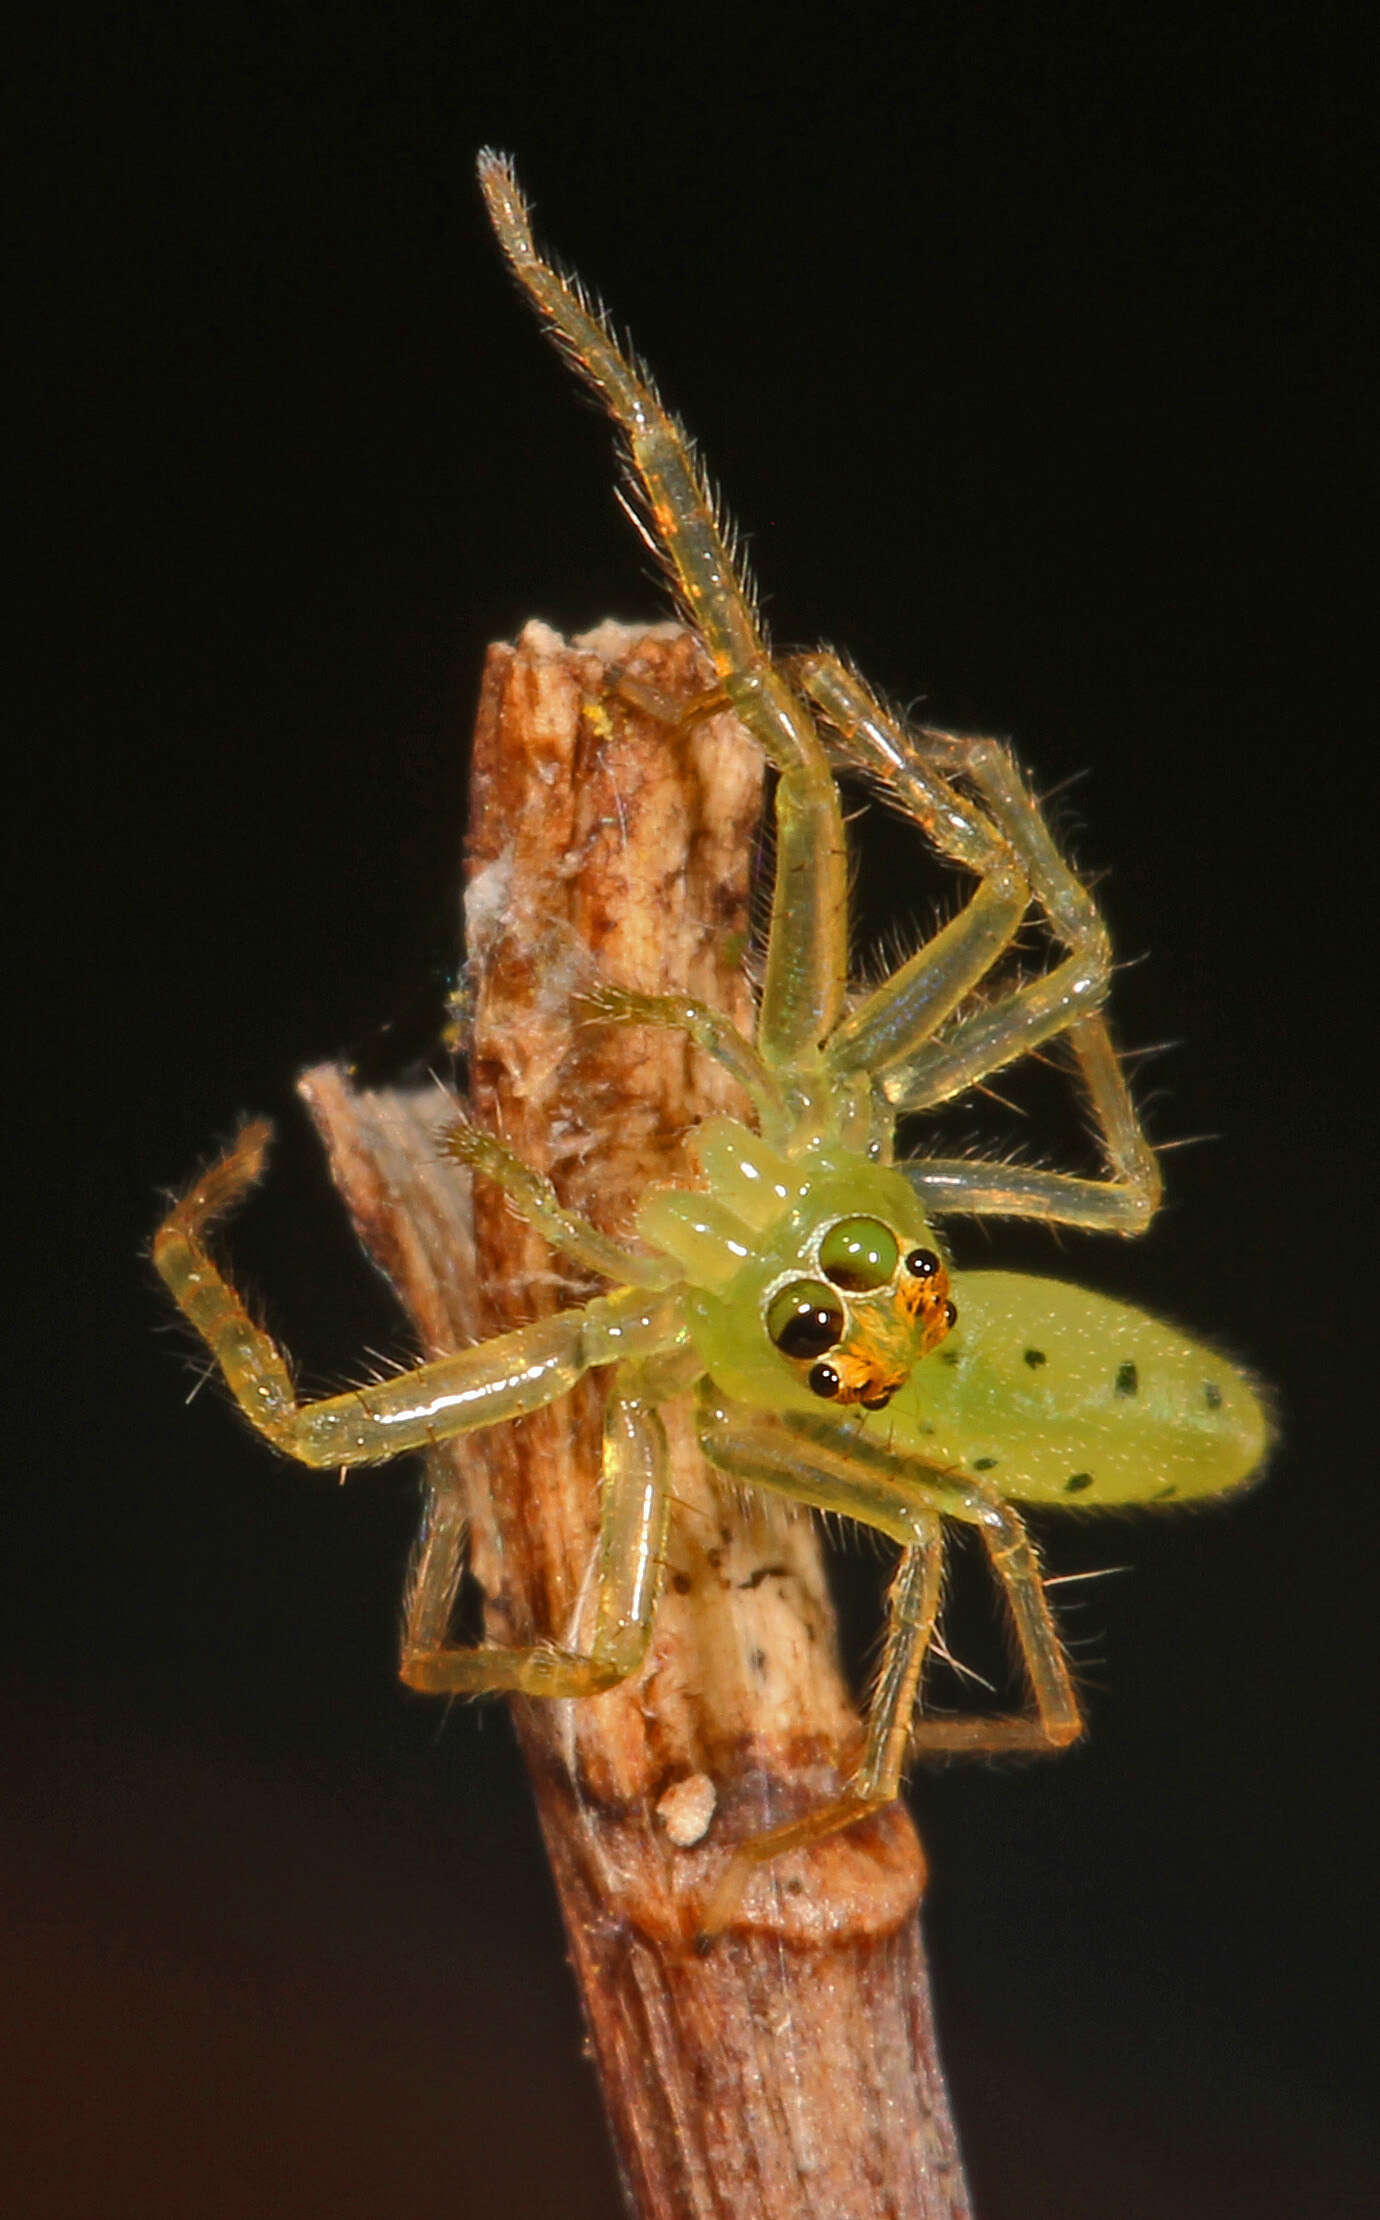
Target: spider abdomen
x,y
1068,1397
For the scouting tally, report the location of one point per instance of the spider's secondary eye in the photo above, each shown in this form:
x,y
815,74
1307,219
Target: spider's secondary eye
x,y
922,1264
824,1380
804,1319
858,1253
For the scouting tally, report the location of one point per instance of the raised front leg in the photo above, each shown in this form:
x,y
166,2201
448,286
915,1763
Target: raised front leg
x,y
498,1380
807,949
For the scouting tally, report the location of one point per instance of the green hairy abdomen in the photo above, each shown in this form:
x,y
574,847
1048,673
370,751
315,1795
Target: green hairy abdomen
x,y
1067,1397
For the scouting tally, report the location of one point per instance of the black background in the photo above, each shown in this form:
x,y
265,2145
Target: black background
x,y
1028,352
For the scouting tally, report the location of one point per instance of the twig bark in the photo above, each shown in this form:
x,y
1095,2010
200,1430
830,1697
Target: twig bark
x,y
789,2070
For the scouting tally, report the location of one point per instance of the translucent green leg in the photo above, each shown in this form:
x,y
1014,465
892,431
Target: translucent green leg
x,y
872,740
632,1550
991,768
859,1476
807,950
688,535
912,1606
828,1465
918,768
855,1472
500,1379
1055,1720
992,1038
534,1198
953,1186
709,1029
1125,1201
675,710
910,1006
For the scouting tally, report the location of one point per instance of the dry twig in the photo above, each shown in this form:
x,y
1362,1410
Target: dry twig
x,y
789,2069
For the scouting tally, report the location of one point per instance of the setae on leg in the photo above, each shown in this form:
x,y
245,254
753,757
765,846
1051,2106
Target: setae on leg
x,y
500,1379
632,1550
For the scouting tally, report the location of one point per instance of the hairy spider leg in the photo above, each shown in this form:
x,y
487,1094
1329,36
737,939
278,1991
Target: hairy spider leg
x,y
439,1558
915,767
633,1506
534,1199
856,1473
882,745
805,974
1124,1202
709,1030
500,1379
912,1608
835,1468
910,1006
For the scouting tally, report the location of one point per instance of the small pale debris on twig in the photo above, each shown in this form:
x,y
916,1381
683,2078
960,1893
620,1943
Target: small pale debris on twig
x,y
686,1809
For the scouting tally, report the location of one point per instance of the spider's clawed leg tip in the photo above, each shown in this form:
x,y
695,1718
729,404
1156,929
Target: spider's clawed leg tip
x,y
464,1143
717,1907
242,1164
252,1141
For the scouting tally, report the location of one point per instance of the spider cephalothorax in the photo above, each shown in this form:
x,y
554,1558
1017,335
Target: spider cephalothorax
x,y
801,1287
826,1250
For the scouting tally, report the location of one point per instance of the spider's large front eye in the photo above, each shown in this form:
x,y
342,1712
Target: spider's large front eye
x,y
859,1253
805,1318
